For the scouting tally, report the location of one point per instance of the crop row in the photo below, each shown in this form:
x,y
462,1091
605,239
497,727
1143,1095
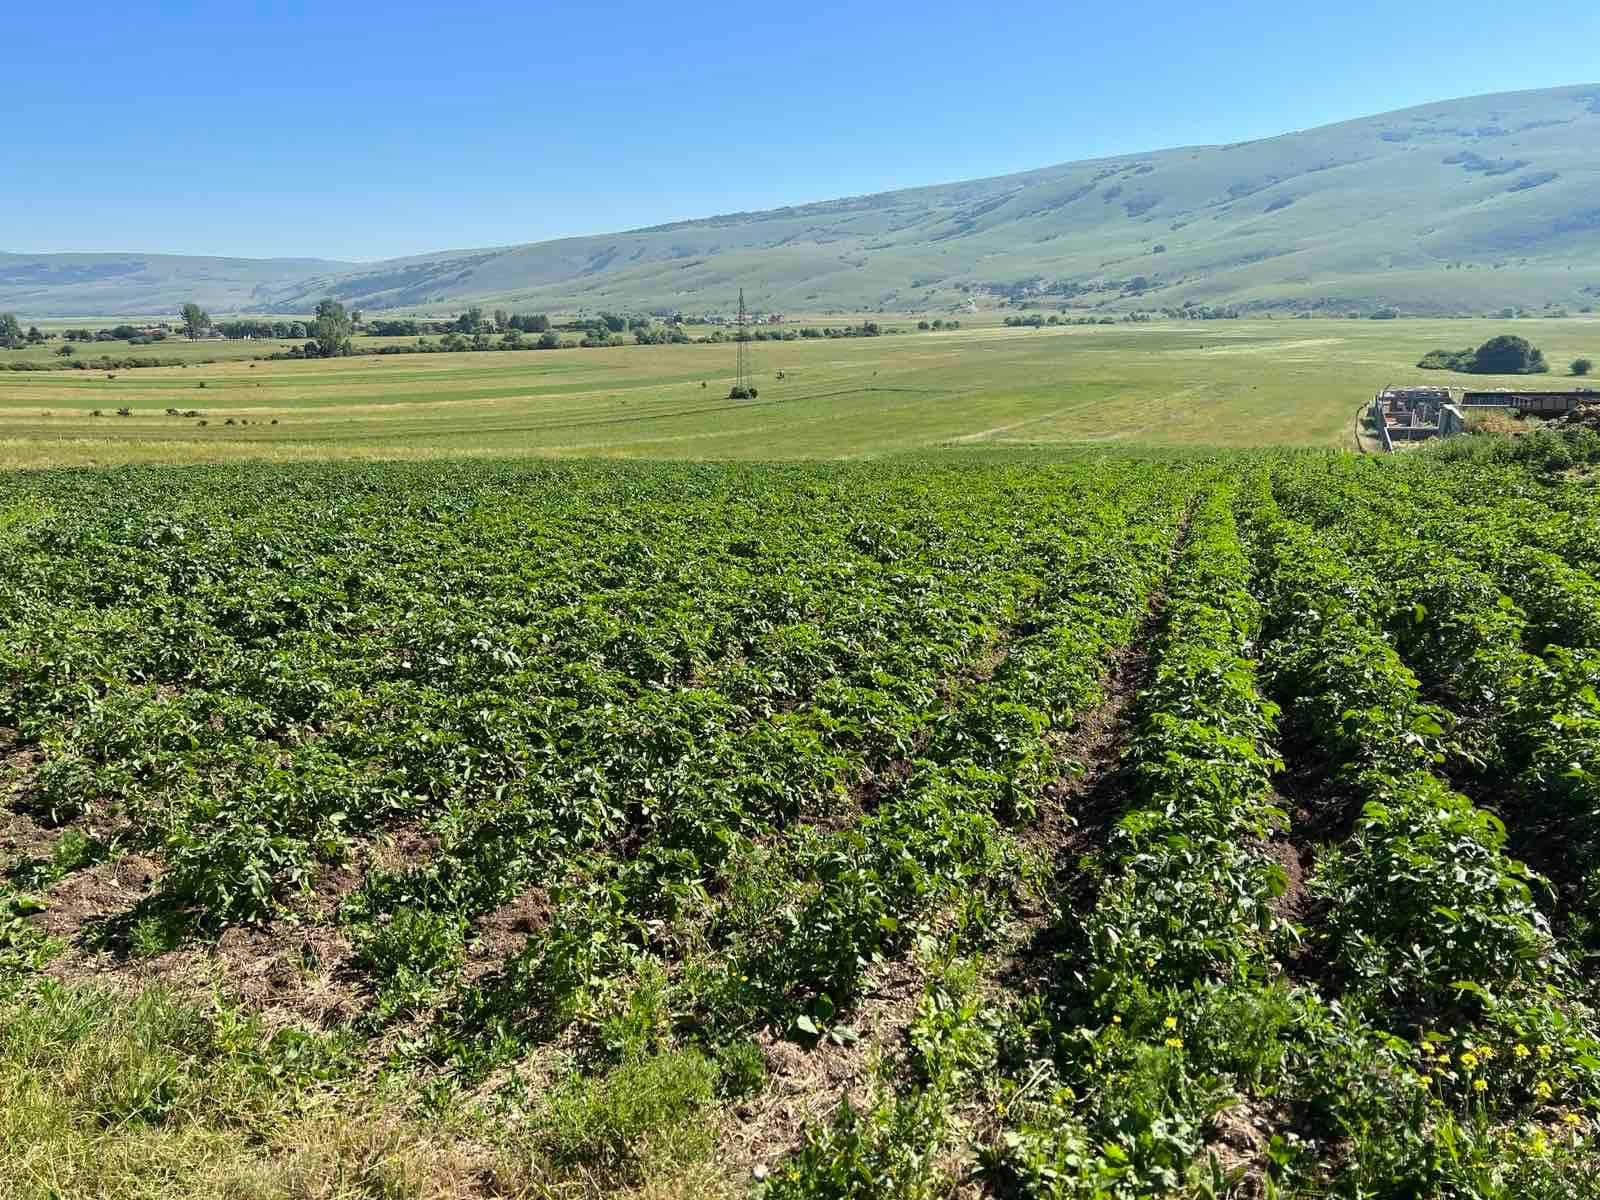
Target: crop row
x,y
738,739
771,929
1429,935
1182,935
731,746
1504,633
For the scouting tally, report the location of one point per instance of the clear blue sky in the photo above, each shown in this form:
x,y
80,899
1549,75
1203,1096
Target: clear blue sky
x,y
360,131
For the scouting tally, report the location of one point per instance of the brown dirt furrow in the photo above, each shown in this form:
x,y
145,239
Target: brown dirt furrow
x,y
22,838
806,1086
501,933
96,892
1295,903
1078,809
1077,812
296,970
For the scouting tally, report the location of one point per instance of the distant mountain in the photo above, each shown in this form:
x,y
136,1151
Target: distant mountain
x,y
48,285
1449,207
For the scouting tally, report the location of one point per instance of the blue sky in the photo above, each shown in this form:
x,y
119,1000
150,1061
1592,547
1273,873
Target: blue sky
x,y
368,131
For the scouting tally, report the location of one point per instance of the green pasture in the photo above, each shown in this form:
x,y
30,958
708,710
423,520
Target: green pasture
x,y
1225,383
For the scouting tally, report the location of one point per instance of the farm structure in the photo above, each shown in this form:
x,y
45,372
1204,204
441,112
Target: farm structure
x,y
1408,414
1415,413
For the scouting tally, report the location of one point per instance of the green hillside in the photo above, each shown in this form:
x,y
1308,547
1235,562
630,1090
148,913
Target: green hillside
x,y
1457,206
44,285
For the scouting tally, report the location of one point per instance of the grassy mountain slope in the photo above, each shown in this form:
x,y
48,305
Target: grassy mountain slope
x,y
46,285
1460,205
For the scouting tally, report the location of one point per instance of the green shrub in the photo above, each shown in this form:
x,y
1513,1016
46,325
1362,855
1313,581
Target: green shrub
x,y
645,1114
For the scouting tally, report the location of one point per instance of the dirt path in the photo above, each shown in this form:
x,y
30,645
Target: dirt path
x,y
1366,441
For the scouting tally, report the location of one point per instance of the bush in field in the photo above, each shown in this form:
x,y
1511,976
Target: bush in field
x,y
1503,355
1582,366
1508,354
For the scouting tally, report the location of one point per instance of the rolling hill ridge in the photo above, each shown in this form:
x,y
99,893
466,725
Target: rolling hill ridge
x,y
1450,207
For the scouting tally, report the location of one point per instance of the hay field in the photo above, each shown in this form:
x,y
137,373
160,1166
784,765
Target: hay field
x,y
1220,383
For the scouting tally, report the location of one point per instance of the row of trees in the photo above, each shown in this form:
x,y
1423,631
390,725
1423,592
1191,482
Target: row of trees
x,y
132,334
246,328
1039,321
330,330
474,320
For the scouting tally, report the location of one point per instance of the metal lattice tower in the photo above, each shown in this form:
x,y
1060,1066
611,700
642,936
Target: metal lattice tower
x,y
741,341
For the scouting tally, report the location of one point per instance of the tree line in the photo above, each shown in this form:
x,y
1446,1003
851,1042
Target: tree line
x,y
332,329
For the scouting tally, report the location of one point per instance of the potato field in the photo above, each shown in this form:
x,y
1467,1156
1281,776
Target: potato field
x,y
1080,826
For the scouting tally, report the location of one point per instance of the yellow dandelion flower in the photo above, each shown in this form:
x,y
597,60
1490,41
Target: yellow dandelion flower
x,y
1478,1085
1542,1090
1521,1051
1570,1118
1469,1060
1544,1051
1175,1043
1171,1022
1538,1143
1116,1019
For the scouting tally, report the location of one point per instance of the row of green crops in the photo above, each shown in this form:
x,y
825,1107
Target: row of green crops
x,y
1180,937
1429,936
755,928
727,747
1502,631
